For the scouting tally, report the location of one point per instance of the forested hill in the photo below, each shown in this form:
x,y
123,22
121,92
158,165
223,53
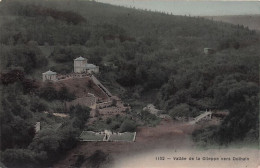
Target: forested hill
x,y
252,21
142,52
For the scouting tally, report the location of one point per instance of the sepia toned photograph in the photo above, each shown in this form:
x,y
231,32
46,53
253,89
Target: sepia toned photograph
x,y
129,84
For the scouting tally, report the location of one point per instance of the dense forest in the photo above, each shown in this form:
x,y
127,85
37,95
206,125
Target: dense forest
x,y
139,53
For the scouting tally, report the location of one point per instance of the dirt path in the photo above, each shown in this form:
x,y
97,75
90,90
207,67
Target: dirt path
x,y
166,135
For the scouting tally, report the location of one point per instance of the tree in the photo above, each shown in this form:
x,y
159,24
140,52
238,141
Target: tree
x,y
128,126
181,110
48,93
19,157
27,56
80,114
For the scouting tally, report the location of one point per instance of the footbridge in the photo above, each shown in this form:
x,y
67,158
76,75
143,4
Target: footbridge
x,y
204,116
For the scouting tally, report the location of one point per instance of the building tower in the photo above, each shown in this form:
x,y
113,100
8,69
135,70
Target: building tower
x,y
80,64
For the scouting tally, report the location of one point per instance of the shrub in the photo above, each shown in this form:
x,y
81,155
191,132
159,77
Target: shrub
x,y
49,93
109,120
181,110
128,126
18,157
97,158
80,114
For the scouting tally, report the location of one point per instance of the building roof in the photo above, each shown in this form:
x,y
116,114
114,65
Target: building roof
x,y
49,73
80,59
90,66
208,48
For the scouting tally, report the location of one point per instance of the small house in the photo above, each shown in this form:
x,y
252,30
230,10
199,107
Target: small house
x,y
208,51
49,76
92,68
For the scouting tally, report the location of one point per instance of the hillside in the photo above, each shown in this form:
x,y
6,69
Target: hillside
x,y
80,87
252,21
144,57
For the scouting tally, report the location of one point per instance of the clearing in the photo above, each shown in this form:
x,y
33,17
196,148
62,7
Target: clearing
x,y
167,135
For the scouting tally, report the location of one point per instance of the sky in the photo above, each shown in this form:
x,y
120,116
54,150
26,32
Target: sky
x,y
194,8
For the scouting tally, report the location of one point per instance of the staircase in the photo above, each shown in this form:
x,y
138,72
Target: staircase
x,y
201,116
102,87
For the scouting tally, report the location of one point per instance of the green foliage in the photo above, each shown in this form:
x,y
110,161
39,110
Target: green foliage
x,y
63,68
80,160
116,123
27,56
231,91
236,126
80,114
16,131
205,136
62,54
34,11
20,145
37,105
50,93
128,126
21,158
12,77
167,61
96,159
54,142
148,118
181,110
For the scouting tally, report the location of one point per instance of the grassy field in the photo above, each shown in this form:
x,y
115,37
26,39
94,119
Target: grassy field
x,y
127,136
91,136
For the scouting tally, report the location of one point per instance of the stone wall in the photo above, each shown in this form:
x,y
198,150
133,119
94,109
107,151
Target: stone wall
x,y
72,75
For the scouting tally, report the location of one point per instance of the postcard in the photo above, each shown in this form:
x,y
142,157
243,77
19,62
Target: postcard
x,y
129,84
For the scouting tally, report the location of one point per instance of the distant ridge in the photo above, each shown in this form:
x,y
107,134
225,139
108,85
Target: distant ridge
x,y
252,21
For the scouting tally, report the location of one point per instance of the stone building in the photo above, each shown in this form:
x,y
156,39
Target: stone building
x,y
208,51
37,127
92,68
81,65
151,108
49,76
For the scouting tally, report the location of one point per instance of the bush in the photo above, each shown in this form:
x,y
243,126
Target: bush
x,y
28,57
66,54
18,157
97,159
38,105
147,115
80,114
49,93
128,126
63,68
109,120
181,110
80,160
54,143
